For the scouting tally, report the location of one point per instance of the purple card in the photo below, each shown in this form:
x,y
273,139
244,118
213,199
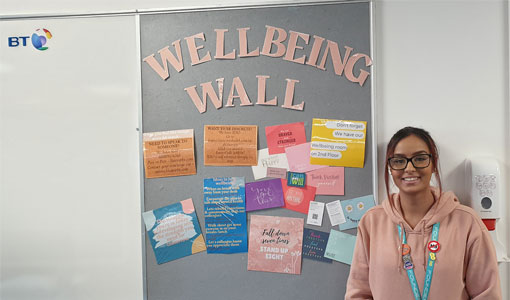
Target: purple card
x,y
264,194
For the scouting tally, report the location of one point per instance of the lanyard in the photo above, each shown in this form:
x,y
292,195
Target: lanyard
x,y
430,267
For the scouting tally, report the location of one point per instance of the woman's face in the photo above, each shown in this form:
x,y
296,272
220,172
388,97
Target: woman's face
x,y
412,180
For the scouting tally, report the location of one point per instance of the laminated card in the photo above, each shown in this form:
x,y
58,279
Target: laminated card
x,y
279,137
299,158
276,172
296,179
335,212
225,215
315,213
297,198
354,209
174,231
328,181
338,143
230,145
314,244
169,153
275,244
340,246
266,161
264,194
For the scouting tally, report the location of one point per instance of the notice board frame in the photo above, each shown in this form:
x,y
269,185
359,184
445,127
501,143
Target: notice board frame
x,y
230,290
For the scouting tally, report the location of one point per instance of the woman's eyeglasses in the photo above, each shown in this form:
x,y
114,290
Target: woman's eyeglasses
x,y
419,161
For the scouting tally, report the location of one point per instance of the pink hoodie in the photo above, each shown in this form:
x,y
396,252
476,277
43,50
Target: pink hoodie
x,y
465,268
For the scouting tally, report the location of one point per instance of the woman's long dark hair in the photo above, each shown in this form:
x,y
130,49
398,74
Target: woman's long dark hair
x,y
424,136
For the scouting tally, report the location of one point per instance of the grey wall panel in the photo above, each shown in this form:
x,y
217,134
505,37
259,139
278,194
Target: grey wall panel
x,y
166,106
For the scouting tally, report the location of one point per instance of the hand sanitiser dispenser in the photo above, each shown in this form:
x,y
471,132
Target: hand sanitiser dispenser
x,y
483,183
484,197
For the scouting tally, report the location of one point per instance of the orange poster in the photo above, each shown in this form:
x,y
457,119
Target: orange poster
x,y
169,153
230,145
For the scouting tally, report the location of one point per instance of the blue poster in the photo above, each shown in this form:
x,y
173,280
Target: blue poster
x,y
225,215
173,231
354,209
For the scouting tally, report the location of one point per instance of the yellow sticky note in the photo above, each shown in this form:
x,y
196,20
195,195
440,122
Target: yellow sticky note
x,y
338,143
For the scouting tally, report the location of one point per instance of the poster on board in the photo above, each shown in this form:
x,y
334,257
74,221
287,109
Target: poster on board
x,y
225,215
174,231
276,244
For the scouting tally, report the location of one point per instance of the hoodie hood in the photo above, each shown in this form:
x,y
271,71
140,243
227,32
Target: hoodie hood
x,y
444,204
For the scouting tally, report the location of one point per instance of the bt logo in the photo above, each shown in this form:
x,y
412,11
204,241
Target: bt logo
x,y
39,39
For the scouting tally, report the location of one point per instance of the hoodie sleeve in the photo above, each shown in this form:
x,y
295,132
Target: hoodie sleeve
x,y
358,287
482,276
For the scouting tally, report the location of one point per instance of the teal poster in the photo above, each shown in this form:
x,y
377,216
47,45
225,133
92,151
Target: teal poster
x,y
174,231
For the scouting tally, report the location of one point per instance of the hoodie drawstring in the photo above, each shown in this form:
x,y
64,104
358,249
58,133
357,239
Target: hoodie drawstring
x,y
424,246
400,242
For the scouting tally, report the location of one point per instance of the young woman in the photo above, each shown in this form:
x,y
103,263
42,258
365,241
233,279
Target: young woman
x,y
421,243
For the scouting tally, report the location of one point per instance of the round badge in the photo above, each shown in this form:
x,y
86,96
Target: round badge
x,y
408,265
433,246
406,249
432,256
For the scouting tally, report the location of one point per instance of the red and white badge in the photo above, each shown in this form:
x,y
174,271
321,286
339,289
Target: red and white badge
x,y
433,246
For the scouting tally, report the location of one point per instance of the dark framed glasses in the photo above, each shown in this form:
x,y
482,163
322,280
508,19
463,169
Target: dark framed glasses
x,y
419,161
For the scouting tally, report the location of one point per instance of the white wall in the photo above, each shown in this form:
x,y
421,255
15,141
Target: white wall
x,y
442,65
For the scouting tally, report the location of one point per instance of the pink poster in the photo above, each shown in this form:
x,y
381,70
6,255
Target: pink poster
x,y
279,137
275,244
298,198
299,158
328,181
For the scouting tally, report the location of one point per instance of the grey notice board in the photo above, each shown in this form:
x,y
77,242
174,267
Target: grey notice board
x,y
167,106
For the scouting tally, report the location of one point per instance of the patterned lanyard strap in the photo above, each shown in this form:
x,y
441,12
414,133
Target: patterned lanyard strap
x,y
430,266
